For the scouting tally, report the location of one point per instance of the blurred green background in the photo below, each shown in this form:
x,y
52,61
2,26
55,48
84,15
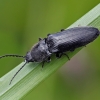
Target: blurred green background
x,y
22,22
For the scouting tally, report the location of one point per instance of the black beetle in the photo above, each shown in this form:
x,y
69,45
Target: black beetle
x,y
58,43
70,39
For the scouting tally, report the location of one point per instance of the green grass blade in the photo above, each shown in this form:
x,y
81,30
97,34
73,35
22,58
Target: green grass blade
x,y
32,74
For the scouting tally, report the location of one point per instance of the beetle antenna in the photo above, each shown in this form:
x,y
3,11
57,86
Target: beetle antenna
x,y
17,72
11,55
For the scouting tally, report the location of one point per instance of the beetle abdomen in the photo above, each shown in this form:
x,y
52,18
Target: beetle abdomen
x,y
72,38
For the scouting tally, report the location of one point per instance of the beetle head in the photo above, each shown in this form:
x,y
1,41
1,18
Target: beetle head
x,y
38,53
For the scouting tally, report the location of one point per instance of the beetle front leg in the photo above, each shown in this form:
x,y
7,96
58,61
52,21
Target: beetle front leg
x,y
48,60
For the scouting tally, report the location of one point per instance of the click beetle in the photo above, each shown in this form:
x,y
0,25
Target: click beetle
x,y
58,43
70,39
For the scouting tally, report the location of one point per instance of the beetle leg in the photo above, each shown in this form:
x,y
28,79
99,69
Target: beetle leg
x,y
45,40
48,34
59,55
49,59
43,64
40,39
66,55
62,30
